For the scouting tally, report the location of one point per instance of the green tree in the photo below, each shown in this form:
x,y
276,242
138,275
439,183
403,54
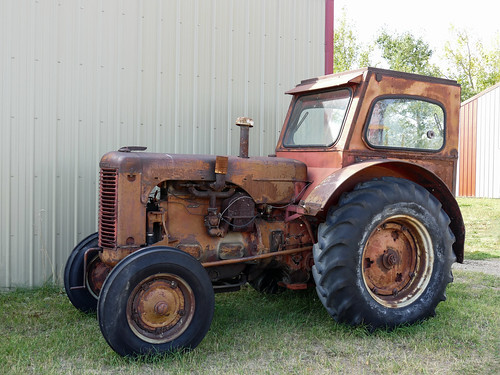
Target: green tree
x,y
474,67
348,53
406,53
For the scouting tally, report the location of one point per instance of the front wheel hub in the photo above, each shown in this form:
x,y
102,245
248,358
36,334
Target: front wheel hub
x,y
160,308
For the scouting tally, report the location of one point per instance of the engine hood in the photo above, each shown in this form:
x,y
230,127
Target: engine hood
x,y
265,179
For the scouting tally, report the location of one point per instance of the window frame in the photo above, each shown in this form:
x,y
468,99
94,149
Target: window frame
x,y
335,141
395,148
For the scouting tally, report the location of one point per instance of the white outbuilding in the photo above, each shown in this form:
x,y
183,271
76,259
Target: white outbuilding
x,y
80,78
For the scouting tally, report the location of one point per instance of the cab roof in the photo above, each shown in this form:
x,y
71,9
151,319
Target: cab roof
x,y
357,76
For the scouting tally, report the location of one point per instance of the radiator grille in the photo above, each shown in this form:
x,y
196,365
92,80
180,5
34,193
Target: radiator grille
x,y
107,208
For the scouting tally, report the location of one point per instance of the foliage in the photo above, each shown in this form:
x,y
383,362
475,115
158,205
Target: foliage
x,y
407,53
348,53
464,59
474,67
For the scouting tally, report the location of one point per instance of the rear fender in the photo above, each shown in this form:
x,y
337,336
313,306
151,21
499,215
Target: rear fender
x,y
328,192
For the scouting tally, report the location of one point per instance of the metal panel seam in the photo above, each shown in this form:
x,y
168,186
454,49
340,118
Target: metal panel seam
x,y
262,85
77,108
213,78
229,77
140,67
159,58
8,149
177,72
195,78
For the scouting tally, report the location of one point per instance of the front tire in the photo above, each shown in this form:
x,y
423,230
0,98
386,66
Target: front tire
x,y
84,292
384,255
156,300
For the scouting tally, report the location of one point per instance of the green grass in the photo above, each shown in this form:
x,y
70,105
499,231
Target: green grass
x,y
42,333
482,224
252,333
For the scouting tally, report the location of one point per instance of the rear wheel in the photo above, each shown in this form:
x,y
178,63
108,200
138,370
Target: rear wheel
x,y
84,292
156,300
267,281
384,255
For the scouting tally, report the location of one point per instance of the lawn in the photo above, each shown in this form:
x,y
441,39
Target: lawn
x,y
278,334
482,225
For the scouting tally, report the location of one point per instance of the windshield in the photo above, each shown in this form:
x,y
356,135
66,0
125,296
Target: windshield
x,y
317,119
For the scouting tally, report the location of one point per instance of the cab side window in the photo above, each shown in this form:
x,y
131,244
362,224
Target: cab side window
x,y
406,123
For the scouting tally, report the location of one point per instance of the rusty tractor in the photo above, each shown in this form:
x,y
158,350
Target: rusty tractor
x,y
357,202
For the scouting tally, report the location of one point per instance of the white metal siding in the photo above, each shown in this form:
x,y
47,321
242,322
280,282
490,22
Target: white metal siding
x,y
488,145
80,78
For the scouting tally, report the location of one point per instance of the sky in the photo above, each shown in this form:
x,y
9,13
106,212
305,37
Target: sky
x,y
429,19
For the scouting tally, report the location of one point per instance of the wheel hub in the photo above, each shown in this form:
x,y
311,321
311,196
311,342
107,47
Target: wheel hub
x,y
160,308
97,272
396,261
390,258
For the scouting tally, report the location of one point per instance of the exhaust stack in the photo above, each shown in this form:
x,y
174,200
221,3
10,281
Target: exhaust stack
x,y
245,123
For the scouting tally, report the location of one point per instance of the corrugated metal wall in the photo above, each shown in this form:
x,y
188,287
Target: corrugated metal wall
x,y
479,171
488,144
467,149
79,78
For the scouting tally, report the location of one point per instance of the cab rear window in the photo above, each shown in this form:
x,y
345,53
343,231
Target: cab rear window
x,y
406,123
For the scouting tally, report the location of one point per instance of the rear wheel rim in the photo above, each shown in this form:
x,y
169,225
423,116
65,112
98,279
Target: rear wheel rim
x,y
160,308
397,261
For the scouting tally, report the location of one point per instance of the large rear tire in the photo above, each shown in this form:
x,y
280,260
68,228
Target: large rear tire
x,y
156,300
384,255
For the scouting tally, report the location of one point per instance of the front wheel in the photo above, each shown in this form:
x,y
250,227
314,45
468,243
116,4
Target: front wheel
x,y
83,290
156,300
384,255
